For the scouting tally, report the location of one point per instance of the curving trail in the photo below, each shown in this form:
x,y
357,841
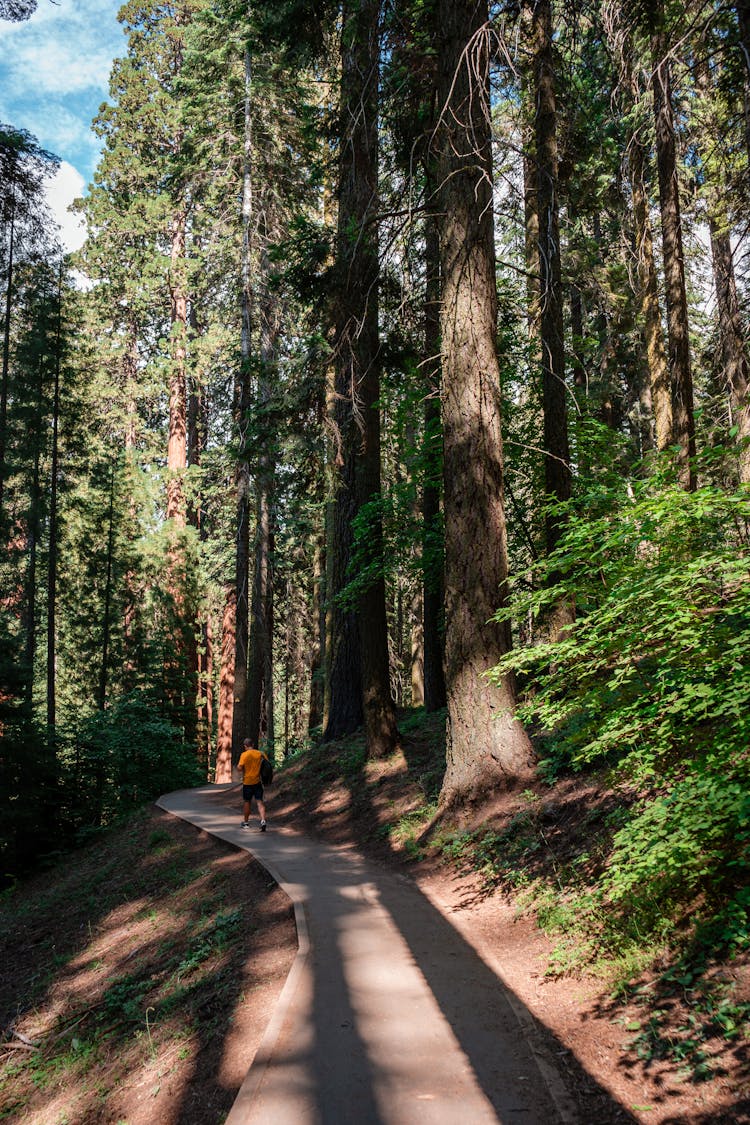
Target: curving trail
x,y
388,1016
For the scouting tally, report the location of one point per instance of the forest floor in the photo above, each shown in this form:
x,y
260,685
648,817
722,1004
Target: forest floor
x,y
138,976
139,973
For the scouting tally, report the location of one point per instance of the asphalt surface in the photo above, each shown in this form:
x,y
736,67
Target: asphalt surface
x,y
388,1016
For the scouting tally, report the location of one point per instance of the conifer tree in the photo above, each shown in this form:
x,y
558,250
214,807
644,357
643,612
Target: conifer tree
x,y
678,331
486,745
551,332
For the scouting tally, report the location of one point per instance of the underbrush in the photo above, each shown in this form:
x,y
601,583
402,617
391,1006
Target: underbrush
x,y
651,681
667,969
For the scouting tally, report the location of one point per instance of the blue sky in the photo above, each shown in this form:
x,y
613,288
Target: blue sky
x,y
54,74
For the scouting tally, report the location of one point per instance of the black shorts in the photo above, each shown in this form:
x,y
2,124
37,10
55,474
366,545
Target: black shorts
x,y
250,791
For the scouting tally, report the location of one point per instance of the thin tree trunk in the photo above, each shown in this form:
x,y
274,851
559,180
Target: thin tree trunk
x,y
317,662
653,334
485,745
654,393
53,520
197,430
241,411
731,330
223,770
433,576
743,17
557,477
416,648
580,382
260,638
731,327
530,201
177,443
287,673
681,380
6,357
260,686
269,698
129,383
208,683
101,699
33,541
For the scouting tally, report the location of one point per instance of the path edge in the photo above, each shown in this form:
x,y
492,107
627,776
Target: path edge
x,y
550,1074
247,1092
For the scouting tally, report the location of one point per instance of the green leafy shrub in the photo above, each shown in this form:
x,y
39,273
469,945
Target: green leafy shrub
x,y
120,758
653,678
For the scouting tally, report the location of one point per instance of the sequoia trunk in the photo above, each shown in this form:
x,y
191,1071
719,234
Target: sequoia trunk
x,y
485,744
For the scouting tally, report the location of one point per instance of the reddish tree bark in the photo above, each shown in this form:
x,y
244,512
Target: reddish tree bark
x,y
223,770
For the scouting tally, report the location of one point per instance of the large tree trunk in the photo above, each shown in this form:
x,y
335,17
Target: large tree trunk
x,y
359,338
681,379
554,394
433,577
485,744
358,375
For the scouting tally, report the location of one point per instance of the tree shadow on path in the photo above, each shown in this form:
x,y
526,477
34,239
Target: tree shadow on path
x,y
515,1059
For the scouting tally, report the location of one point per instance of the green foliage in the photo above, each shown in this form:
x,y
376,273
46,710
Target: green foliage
x,y
653,677
710,1011
125,756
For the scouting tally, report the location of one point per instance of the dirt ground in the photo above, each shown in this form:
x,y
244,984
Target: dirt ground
x,y
137,980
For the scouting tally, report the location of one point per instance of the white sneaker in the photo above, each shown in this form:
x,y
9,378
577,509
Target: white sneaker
x,y
262,825
244,824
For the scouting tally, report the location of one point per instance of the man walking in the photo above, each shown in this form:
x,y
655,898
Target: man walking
x,y
252,786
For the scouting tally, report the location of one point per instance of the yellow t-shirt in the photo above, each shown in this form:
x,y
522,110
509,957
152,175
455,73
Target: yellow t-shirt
x,y
249,763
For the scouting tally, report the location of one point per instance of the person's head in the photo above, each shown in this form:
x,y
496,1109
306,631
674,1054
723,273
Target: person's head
x,y
247,744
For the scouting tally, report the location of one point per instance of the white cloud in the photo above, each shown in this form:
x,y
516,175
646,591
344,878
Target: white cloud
x,y
57,67
54,72
67,185
51,120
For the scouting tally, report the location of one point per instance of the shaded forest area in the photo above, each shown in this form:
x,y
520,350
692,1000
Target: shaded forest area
x,y
405,366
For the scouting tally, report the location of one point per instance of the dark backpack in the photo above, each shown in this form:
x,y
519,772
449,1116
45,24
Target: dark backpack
x,y
266,771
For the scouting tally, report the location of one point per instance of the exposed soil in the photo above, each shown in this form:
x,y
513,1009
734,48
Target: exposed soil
x,y
138,979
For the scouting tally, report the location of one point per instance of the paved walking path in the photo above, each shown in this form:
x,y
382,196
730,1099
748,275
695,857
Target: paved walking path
x,y
388,1016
